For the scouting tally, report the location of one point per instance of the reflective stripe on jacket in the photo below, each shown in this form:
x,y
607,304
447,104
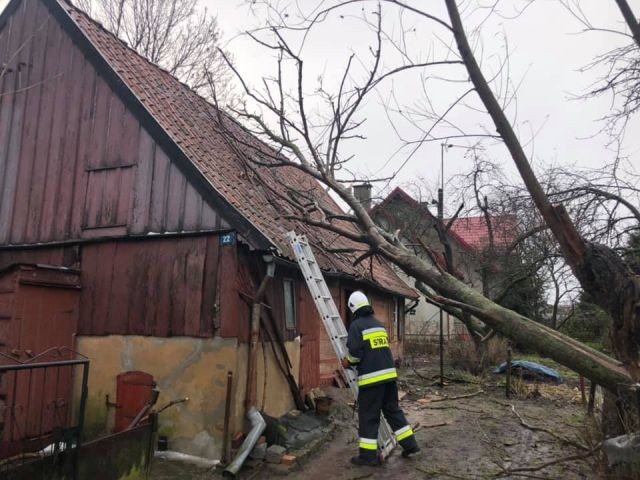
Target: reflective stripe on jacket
x,y
368,344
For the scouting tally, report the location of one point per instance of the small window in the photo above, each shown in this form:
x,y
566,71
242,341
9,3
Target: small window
x,y
289,304
397,317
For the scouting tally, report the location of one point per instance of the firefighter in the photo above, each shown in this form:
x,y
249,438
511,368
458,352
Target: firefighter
x,y
369,352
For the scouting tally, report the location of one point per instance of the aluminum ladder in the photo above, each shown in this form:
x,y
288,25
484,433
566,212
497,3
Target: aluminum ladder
x,y
334,325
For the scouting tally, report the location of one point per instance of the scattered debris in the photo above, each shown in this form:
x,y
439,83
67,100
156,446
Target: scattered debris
x,y
237,440
259,452
435,425
624,449
288,459
458,397
275,453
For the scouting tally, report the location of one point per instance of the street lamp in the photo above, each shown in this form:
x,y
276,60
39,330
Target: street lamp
x,y
443,146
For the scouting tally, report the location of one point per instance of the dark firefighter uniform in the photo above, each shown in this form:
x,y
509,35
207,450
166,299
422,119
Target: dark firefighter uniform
x,y
369,351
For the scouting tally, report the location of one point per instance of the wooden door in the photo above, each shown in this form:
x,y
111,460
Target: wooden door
x,y
47,317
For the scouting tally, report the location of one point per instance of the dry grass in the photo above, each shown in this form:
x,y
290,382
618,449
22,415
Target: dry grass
x,y
464,355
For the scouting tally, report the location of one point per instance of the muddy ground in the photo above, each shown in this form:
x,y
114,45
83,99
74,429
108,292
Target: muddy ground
x,y
468,430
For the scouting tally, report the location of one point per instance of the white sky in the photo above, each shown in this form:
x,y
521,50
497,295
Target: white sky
x,y
546,55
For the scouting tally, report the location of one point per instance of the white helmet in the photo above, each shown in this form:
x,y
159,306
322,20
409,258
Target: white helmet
x,y
357,300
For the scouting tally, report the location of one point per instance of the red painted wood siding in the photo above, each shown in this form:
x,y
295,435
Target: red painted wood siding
x,y
162,287
67,256
74,162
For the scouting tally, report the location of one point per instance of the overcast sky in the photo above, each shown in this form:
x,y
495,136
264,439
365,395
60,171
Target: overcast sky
x,y
546,55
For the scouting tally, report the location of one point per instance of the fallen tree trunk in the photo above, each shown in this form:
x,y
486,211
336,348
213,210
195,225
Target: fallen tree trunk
x,y
590,363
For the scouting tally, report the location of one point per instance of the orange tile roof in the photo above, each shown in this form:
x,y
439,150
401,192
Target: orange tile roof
x,y
474,231
188,119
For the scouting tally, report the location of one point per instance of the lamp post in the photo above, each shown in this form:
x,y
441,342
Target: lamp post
x,y
443,146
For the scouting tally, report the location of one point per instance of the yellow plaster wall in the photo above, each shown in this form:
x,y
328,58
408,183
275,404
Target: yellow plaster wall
x,y
184,367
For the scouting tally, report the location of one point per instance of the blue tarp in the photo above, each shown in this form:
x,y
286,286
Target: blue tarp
x,y
532,367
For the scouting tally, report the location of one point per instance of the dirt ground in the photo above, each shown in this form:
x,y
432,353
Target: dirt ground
x,y
468,430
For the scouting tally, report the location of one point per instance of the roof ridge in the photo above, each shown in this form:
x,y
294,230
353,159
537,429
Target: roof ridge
x,y
70,4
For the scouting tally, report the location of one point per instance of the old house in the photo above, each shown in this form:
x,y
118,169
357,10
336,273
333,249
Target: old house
x,y
114,176
468,238
400,211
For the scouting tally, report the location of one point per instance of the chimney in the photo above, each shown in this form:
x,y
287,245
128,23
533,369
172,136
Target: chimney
x,y
363,195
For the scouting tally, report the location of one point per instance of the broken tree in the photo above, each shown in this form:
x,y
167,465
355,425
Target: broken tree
x,y
279,114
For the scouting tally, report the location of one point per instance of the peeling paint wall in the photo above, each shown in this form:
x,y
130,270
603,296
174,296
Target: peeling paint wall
x,y
184,367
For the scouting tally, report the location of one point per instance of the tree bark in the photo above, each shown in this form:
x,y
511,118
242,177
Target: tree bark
x,y
591,363
631,19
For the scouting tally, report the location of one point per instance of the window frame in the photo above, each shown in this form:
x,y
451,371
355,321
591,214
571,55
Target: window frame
x,y
290,283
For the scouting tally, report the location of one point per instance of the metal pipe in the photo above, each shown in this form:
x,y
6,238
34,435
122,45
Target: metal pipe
x,y
256,308
227,415
183,457
257,427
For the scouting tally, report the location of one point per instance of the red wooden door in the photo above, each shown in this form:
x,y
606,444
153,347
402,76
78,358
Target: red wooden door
x,y
132,394
48,318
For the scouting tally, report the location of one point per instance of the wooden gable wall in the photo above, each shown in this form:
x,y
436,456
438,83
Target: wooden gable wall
x,y
74,161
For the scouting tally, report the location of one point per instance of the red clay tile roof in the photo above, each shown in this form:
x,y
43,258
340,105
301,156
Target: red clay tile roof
x,y
474,231
187,118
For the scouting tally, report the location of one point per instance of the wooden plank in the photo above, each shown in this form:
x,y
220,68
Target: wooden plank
x,y
88,295
175,199
81,177
143,183
110,197
159,191
125,190
96,183
100,125
11,115
40,175
114,133
104,284
163,295
129,140
209,317
69,155
122,288
30,122
192,209
194,271
153,300
229,298
177,289
50,205
209,217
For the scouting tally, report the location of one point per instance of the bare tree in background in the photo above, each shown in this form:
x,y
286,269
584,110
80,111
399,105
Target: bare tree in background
x,y
175,34
622,66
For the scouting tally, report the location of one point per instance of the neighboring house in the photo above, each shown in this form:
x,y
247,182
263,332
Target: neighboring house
x,y
415,223
468,238
113,174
